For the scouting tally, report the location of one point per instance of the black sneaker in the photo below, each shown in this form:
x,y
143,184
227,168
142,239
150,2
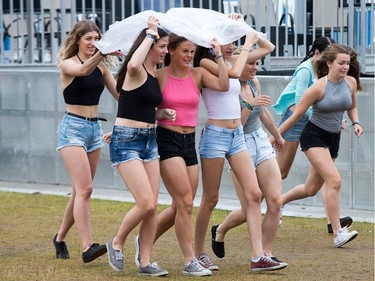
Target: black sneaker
x,y
61,249
93,252
345,222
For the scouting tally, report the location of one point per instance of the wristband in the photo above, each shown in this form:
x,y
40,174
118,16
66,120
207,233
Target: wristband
x,y
219,56
103,55
248,105
355,123
151,37
152,33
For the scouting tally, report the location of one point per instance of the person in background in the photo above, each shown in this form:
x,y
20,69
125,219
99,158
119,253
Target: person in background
x,y
180,86
253,114
133,148
83,76
222,138
304,76
332,95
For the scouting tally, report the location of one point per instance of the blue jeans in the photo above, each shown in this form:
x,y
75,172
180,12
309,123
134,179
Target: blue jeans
x,y
129,144
75,131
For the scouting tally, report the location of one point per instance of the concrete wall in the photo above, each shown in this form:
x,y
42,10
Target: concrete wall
x,y
32,105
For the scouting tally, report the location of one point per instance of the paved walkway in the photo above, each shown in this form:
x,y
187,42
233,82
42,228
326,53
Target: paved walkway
x,y
164,198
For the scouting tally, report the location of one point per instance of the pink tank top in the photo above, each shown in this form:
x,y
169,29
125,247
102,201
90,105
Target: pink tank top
x,y
183,96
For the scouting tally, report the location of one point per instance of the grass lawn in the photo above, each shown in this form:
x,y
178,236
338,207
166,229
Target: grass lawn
x,y
28,223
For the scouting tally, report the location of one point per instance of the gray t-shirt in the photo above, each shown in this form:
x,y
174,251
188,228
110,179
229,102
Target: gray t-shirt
x,y
327,113
253,122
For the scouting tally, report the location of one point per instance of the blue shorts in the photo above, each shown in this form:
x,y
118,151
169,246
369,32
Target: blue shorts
x,y
259,147
74,131
294,133
129,144
217,142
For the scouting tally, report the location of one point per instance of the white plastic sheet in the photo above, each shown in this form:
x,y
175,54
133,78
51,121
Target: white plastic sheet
x,y
197,25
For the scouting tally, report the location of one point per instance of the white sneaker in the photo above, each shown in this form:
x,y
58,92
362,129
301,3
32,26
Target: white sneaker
x,y
344,236
137,256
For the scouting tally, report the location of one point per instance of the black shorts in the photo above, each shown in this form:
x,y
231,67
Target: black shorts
x,y
313,136
173,144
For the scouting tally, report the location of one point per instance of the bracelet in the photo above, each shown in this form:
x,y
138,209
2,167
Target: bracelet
x,y
248,105
152,33
355,123
151,37
219,56
103,55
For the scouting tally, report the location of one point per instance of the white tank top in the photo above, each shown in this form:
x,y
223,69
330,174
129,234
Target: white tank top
x,y
223,105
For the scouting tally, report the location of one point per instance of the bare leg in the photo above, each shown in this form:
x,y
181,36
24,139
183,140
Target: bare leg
x,y
286,157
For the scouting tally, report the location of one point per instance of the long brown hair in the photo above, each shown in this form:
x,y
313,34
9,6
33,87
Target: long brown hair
x,y
330,54
120,76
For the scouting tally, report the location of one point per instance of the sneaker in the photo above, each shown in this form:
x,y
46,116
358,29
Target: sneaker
x,y
277,260
281,215
266,264
194,268
205,261
93,252
217,247
344,236
137,256
61,249
152,270
345,222
115,257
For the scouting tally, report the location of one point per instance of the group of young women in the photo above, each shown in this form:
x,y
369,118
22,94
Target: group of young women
x,y
154,135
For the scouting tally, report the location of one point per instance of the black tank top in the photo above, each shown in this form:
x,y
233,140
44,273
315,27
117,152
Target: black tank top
x,y
140,104
85,90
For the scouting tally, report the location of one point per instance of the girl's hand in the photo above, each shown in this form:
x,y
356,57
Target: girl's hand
x,y
236,16
260,100
278,144
169,114
358,131
107,137
153,23
216,47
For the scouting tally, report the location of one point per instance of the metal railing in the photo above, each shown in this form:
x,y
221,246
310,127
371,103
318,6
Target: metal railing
x,y
33,30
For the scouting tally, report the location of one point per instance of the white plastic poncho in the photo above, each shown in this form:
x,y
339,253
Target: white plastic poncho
x,y
197,25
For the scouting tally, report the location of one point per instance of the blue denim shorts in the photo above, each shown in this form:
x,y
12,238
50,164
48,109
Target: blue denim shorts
x,y
129,144
294,133
217,142
74,131
259,147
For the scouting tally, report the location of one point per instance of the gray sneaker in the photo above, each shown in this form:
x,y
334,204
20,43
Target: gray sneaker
x,y
115,257
137,256
194,268
152,270
205,261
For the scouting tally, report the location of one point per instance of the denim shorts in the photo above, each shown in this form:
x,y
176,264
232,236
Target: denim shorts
x,y
294,133
259,146
217,142
128,143
74,131
313,136
173,144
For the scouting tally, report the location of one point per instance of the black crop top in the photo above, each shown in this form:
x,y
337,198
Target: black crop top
x,y
85,90
140,104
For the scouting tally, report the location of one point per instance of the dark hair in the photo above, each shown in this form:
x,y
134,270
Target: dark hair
x,y
174,41
120,76
202,53
319,44
330,54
